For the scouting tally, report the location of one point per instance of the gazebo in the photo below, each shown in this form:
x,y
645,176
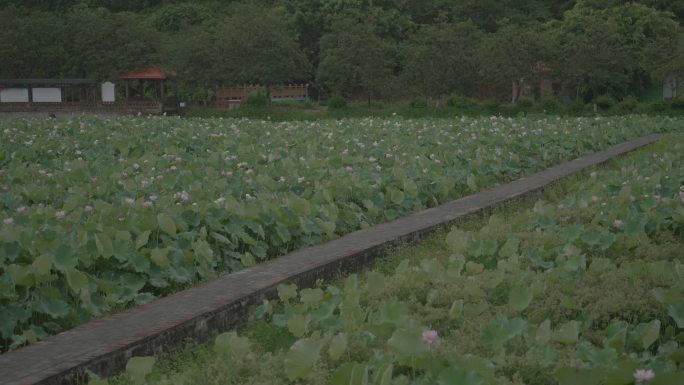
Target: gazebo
x,y
152,76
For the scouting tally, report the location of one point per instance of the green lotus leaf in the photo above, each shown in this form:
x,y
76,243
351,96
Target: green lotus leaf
x,y
139,367
104,245
64,258
350,373
520,297
301,358
457,376
338,345
166,224
568,333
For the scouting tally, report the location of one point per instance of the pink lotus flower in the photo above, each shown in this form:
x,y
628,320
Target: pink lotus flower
x,y
643,375
88,209
60,214
618,223
21,209
430,337
8,221
681,196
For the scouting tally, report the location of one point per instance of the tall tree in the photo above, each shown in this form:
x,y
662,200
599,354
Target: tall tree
x,y
595,57
440,59
665,58
605,49
257,46
355,60
31,44
101,44
513,54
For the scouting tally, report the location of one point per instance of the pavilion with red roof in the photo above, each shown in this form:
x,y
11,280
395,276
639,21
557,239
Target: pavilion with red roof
x,y
151,76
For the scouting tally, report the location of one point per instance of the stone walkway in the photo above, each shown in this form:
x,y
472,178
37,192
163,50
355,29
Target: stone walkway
x,y
163,327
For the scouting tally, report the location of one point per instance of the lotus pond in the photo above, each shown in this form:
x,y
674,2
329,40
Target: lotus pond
x,y
99,215
584,286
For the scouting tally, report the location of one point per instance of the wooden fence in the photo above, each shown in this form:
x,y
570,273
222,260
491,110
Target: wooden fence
x,y
230,97
132,107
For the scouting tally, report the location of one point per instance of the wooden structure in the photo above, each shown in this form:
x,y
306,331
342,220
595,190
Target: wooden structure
x,y
144,93
150,79
542,86
231,97
47,90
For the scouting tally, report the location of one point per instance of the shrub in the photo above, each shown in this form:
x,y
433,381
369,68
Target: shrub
x,y
550,104
577,107
628,104
256,99
605,102
525,103
677,104
657,106
418,103
337,101
490,104
460,102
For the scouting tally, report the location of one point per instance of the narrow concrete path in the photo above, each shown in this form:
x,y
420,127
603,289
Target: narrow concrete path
x,y
162,327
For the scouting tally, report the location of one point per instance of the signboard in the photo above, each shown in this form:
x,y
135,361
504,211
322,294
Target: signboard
x,y
47,95
108,94
14,95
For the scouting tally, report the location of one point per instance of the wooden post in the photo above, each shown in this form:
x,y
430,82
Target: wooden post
x,y
30,93
127,91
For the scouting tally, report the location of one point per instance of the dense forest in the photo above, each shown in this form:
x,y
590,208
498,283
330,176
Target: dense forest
x,y
353,48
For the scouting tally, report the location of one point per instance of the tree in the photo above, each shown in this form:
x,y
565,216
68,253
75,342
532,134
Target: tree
x,y
31,45
193,54
513,54
176,17
440,59
665,57
355,60
257,46
604,50
594,55
101,44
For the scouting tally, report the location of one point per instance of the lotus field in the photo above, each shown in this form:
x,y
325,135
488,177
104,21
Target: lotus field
x,y
98,215
583,287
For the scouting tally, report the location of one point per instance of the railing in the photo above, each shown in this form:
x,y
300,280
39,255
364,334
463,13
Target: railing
x,y
146,107
277,92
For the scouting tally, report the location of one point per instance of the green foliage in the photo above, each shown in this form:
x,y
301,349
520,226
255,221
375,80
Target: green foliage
x,y
605,102
550,104
138,368
440,59
677,104
490,103
145,212
360,49
460,102
336,102
301,358
596,324
257,99
261,49
627,105
355,60
525,103
418,103
657,106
